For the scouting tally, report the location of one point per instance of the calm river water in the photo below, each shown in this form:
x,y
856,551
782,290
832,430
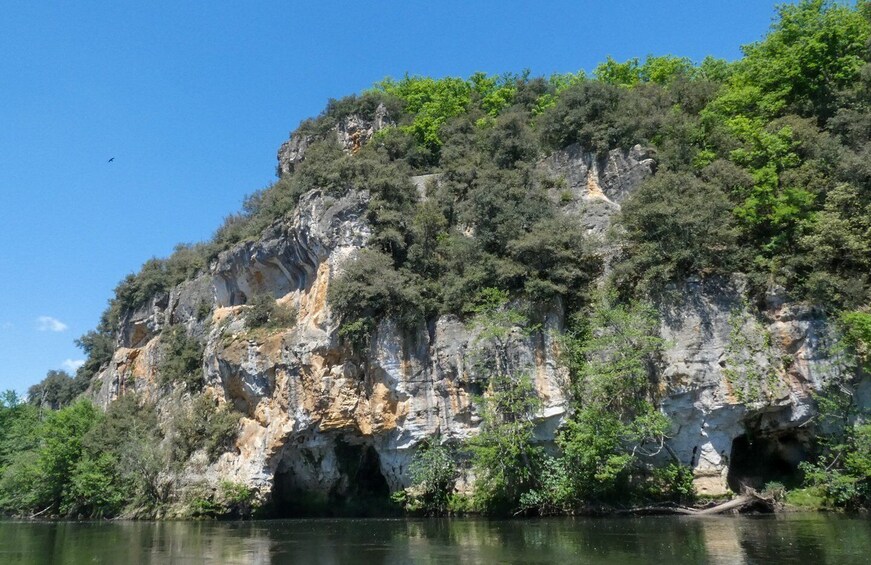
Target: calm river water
x,y
809,539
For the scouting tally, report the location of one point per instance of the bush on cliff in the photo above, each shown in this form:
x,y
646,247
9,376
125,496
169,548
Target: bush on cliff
x,y
181,359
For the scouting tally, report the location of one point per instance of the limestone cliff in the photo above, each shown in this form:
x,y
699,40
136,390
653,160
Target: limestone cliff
x,y
309,403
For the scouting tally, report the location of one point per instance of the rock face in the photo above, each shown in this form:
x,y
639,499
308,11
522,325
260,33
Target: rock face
x,y
322,418
592,186
351,133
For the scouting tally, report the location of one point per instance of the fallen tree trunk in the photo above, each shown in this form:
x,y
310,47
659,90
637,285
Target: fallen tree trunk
x,y
750,500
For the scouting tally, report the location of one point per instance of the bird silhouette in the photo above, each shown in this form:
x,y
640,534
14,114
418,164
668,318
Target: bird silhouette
x,y
110,160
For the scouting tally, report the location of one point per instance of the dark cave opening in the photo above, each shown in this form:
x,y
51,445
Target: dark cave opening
x,y
760,459
362,490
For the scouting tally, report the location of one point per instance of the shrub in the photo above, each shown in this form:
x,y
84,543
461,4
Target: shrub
x,y
371,289
265,312
673,226
181,359
201,424
433,473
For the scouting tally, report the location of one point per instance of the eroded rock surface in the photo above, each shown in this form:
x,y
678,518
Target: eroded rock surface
x,y
351,134
309,403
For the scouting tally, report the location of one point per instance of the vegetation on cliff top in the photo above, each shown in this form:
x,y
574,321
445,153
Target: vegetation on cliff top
x,y
763,169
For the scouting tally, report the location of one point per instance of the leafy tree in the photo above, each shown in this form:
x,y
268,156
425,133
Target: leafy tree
x,y
39,480
836,249
628,73
815,49
433,473
181,358
56,390
586,113
673,226
556,259
841,474
505,456
431,101
612,358
371,289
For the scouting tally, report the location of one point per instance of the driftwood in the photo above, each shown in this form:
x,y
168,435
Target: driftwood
x,y
43,511
749,500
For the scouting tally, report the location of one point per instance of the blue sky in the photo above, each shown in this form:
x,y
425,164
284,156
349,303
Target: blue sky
x,y
192,99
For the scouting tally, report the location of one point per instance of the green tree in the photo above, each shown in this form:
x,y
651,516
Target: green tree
x,y
433,473
56,390
431,102
181,358
505,456
627,74
673,226
612,358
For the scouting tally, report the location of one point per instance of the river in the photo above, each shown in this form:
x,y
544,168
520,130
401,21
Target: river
x,y
809,539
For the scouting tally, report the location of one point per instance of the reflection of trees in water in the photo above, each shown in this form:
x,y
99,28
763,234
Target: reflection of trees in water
x,y
558,539
806,538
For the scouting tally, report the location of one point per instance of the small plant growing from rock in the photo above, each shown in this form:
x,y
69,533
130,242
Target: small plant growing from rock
x,y
265,312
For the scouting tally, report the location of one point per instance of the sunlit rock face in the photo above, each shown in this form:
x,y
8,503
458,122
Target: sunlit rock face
x,y
320,417
730,370
351,134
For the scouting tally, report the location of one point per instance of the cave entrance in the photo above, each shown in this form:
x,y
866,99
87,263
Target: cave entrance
x,y
760,459
363,490
360,490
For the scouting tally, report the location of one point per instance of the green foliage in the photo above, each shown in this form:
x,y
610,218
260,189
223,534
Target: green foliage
x,y
613,355
433,473
505,457
836,249
815,49
619,74
265,312
181,359
590,113
662,70
228,500
432,102
857,335
236,498
45,477
57,389
125,456
676,225
98,346
614,426
843,474
372,289
201,423
672,482
19,427
79,462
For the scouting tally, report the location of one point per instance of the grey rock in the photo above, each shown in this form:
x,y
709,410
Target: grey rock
x,y
351,133
308,400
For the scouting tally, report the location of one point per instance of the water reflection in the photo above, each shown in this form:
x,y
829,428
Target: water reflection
x,y
805,538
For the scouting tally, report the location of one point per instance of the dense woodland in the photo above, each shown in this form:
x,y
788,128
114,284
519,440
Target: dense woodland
x,y
763,168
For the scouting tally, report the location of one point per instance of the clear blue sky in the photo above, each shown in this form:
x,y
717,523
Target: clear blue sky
x,y
192,99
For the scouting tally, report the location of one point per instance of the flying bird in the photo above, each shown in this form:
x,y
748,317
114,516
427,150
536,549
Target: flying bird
x,y
110,160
